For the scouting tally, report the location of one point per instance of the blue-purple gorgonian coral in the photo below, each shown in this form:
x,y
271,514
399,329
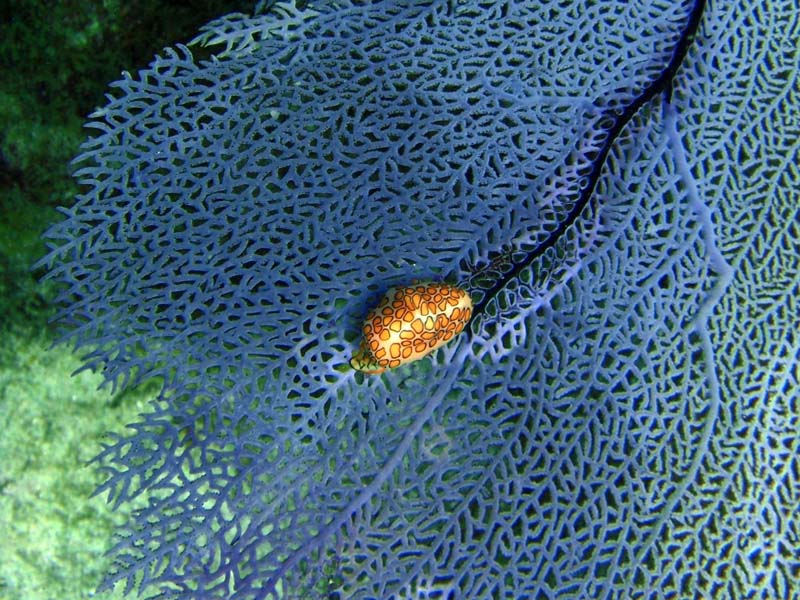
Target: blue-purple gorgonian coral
x,y
589,436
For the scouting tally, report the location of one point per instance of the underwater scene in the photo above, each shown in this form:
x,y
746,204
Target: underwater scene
x,y
400,299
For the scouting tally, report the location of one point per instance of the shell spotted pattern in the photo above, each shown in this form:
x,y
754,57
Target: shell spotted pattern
x,y
410,322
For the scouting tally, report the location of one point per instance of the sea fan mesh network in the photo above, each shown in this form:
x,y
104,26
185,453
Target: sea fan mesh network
x,y
240,215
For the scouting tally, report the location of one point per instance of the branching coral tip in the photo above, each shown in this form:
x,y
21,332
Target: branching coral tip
x,y
409,323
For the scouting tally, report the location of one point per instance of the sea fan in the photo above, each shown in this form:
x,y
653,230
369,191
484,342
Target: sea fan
x,y
598,431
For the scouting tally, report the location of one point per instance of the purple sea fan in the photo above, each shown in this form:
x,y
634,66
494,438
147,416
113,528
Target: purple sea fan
x,y
241,215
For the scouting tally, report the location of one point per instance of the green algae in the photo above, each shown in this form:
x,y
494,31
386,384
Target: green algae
x,y
53,535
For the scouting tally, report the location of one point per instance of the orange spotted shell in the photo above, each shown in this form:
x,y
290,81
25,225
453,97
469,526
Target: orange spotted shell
x,y
408,323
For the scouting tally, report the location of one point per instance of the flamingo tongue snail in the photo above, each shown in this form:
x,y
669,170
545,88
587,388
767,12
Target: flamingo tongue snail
x,y
409,323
